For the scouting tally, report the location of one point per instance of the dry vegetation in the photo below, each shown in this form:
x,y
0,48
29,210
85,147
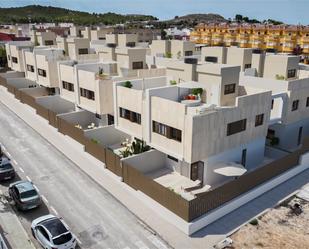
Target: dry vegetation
x,y
278,228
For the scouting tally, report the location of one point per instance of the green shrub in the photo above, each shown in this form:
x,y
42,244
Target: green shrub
x,y
173,82
274,141
197,91
254,222
168,55
128,84
94,141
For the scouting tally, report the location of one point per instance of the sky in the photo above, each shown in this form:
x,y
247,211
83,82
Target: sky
x,y
288,11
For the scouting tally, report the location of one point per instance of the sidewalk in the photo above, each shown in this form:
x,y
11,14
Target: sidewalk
x,y
12,228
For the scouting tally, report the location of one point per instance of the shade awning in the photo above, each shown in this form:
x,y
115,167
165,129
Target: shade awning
x,y
230,169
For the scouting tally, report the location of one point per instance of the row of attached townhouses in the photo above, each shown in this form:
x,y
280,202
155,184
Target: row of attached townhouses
x,y
200,113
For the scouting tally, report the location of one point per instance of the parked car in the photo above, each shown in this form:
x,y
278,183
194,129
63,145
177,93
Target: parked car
x,y
7,171
24,195
52,233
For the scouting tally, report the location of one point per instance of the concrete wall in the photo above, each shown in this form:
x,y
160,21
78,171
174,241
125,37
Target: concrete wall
x,y
212,127
239,57
56,104
215,77
219,52
160,47
155,161
107,135
279,65
255,156
74,44
288,134
178,48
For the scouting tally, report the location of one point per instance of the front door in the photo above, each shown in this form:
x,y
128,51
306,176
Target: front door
x,y
300,133
197,171
244,157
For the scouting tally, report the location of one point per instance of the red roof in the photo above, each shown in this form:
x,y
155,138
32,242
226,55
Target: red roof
x,y
12,37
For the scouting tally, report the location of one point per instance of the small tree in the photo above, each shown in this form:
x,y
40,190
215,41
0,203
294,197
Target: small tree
x,y
178,54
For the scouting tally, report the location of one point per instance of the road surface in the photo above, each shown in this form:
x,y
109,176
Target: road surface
x,y
94,215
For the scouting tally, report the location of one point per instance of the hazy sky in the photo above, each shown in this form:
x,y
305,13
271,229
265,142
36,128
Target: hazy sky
x,y
290,11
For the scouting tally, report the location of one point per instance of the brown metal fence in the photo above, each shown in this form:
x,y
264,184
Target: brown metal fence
x,y
164,196
17,94
113,162
10,88
3,81
96,150
68,129
28,99
42,111
210,200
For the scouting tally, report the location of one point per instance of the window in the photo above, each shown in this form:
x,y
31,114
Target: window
x,y
137,65
229,89
188,53
30,68
14,59
307,102
83,51
42,72
49,42
236,127
43,232
247,66
129,115
211,59
130,44
291,73
172,158
175,134
295,105
259,119
87,93
68,86
167,131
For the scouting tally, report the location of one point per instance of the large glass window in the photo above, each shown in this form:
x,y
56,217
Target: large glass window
x,y
167,131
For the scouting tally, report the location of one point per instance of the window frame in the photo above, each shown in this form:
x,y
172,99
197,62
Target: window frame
x,y
229,89
295,105
236,127
259,119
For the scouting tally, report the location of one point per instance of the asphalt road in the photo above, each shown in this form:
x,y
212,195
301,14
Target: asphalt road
x,y
97,219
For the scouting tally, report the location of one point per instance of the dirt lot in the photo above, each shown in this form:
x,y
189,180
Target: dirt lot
x,y
279,228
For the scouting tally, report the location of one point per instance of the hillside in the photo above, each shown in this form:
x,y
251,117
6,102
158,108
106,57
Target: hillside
x,y
199,18
189,20
37,13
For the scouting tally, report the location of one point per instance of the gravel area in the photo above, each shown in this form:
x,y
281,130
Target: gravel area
x,y
280,228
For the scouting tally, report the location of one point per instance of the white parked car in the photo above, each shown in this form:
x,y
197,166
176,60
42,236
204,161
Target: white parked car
x,y
52,233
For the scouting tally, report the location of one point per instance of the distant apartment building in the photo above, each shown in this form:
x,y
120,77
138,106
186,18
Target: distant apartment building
x,y
280,38
172,48
78,46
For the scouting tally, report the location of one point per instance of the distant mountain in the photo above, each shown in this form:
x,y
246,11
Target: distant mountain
x,y
38,14
189,20
198,18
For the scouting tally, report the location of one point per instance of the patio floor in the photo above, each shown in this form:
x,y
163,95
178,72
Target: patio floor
x,y
173,180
